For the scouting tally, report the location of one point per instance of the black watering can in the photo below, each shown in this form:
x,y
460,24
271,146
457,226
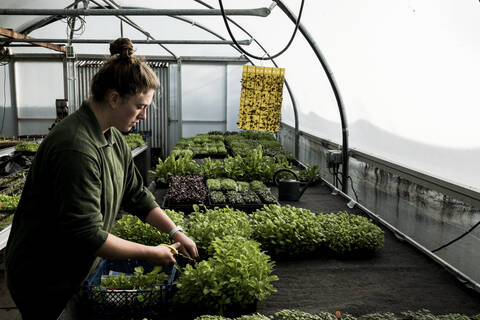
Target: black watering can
x,y
289,190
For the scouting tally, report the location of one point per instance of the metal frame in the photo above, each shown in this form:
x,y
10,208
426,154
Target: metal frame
x,y
258,12
292,97
99,57
13,94
322,60
166,113
179,99
107,41
225,109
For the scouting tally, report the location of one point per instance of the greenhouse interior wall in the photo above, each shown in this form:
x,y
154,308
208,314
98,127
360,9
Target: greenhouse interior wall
x,y
405,75
429,213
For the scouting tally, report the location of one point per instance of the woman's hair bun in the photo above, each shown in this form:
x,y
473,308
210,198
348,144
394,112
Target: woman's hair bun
x,y
123,47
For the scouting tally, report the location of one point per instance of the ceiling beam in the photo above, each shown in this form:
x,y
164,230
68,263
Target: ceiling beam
x,y
259,12
107,41
17,36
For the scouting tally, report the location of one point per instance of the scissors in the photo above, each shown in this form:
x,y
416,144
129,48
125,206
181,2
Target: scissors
x,y
181,259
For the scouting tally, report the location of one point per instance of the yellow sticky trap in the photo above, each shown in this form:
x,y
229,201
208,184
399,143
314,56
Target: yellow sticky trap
x,y
261,98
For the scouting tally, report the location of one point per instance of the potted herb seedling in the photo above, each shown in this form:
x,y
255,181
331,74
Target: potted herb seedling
x,y
231,281
287,230
206,226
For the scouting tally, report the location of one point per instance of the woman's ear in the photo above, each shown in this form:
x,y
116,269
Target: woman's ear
x,y
113,98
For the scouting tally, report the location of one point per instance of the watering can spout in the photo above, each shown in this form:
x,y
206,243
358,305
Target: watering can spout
x,y
304,186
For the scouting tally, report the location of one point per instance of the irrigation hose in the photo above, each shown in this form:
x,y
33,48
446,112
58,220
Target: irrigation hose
x,y
457,238
258,57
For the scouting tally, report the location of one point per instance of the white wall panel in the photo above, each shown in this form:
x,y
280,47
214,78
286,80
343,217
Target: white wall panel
x,y
203,91
234,87
38,85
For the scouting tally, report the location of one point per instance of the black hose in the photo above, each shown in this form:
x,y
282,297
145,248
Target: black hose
x,y
251,55
457,238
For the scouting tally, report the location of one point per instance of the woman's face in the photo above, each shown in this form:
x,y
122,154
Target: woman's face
x,y
130,110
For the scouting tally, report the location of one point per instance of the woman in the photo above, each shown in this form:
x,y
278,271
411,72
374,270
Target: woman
x,y
82,174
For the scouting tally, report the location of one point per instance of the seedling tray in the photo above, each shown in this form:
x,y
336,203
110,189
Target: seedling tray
x,y
183,207
103,302
248,208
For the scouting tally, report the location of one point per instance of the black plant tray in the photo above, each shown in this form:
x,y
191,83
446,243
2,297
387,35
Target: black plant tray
x,y
184,207
248,208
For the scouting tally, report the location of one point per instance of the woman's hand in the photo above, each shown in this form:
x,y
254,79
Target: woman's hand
x,y
188,246
163,255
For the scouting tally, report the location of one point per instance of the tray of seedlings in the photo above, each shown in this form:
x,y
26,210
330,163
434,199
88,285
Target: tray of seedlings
x,y
241,195
185,191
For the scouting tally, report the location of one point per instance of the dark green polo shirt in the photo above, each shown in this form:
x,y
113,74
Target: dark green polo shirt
x,y
74,189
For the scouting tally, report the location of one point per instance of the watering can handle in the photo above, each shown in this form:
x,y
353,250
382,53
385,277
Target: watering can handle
x,y
283,170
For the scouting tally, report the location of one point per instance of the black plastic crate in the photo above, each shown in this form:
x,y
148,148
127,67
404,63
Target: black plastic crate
x,y
132,303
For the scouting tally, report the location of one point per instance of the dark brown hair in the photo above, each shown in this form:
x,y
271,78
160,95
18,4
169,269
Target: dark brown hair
x,y
124,73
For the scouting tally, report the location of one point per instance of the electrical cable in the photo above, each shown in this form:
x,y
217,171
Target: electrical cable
x,y
73,30
79,30
353,189
337,181
457,238
270,57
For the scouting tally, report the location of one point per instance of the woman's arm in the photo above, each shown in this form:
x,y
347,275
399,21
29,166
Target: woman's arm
x,y
159,219
118,248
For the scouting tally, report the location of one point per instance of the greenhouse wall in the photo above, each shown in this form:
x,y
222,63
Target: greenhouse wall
x,y
429,216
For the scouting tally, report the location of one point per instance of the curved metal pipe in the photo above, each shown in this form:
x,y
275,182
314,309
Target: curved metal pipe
x,y
334,86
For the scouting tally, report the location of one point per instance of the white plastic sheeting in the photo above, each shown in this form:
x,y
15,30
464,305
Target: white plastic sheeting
x,y
407,70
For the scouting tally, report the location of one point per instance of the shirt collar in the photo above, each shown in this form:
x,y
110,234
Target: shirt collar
x,y
94,127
